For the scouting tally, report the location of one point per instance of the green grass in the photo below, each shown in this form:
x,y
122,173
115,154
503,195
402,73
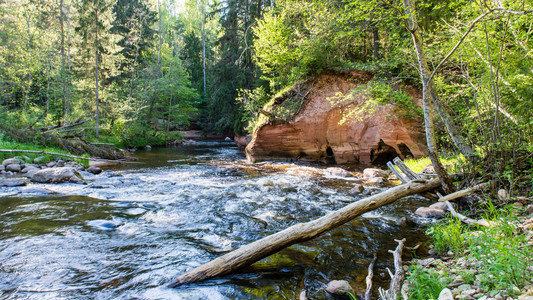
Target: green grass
x,y
426,283
7,143
452,164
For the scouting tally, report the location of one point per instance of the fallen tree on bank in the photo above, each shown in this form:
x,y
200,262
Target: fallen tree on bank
x,y
253,252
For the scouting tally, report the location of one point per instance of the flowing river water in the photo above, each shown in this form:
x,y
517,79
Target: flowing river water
x,y
126,236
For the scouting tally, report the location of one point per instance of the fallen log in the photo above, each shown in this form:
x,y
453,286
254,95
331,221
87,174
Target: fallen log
x,y
249,254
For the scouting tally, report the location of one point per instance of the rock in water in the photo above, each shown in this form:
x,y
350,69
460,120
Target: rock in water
x,y
11,161
13,182
427,212
147,147
372,172
94,170
13,168
334,171
339,288
53,175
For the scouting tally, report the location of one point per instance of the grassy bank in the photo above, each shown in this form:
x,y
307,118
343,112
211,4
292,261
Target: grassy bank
x,y
8,143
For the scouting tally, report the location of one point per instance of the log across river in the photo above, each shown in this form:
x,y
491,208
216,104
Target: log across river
x,y
127,236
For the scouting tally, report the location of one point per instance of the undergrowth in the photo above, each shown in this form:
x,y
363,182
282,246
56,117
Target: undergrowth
x,y
499,254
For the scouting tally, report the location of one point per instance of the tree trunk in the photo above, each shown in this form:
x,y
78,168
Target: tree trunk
x,y
203,50
63,60
271,244
96,75
375,37
447,184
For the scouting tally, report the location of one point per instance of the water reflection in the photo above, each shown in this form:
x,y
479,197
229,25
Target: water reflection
x,y
124,237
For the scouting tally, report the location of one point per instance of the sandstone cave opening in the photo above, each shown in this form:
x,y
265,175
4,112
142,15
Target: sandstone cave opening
x,y
330,157
382,154
406,152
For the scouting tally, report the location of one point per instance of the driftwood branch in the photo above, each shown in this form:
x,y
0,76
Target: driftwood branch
x,y
368,278
397,277
70,125
464,192
249,254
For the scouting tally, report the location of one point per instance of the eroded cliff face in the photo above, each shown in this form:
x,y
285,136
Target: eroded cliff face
x,y
315,133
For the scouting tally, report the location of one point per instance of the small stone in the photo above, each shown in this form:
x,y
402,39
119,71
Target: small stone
x,y
51,164
94,170
468,293
525,297
518,205
429,169
228,139
503,195
432,252
339,287
445,294
334,171
147,147
529,209
373,172
13,168
426,212
60,163
11,161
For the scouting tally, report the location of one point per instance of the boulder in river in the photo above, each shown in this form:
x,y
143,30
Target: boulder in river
x,y
2,168
13,168
427,212
339,288
56,175
334,171
94,170
374,172
13,182
11,161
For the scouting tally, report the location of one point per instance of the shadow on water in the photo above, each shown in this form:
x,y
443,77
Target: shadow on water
x,y
124,237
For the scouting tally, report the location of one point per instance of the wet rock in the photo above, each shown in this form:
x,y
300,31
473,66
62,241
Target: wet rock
x,y
147,147
13,182
53,175
110,173
227,139
13,168
28,167
339,287
11,161
189,143
446,294
358,188
36,191
94,170
242,141
39,160
375,181
337,172
426,212
303,295
373,172
429,169
2,168
503,195
439,205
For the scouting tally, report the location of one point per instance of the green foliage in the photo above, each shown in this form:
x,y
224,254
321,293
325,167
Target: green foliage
x,y
448,236
426,283
499,253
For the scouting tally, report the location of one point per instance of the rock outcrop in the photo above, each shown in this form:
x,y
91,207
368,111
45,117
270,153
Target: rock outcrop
x,y
315,132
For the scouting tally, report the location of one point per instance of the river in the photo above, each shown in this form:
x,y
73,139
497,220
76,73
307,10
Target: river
x,y
129,232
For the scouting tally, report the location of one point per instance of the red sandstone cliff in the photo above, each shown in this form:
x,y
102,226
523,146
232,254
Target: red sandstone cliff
x,y
315,133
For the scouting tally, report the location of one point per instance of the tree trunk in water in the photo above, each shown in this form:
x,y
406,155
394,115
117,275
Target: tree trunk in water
x,y
447,184
271,244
